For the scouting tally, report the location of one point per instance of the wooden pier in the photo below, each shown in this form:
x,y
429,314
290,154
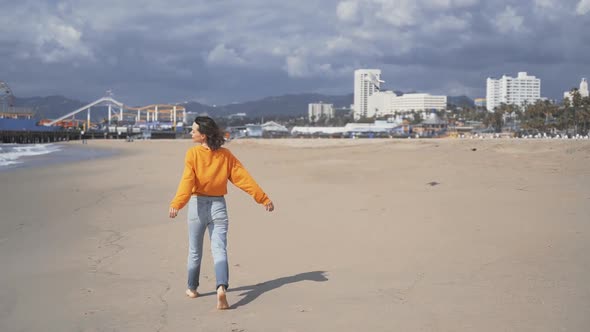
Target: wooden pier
x,y
35,137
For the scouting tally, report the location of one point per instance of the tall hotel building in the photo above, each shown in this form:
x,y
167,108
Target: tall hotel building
x,y
387,103
315,111
513,91
583,90
366,82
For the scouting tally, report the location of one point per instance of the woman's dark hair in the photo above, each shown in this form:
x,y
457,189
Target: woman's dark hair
x,y
209,128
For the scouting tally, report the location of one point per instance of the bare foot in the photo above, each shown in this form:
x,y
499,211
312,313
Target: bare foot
x,y
221,299
191,293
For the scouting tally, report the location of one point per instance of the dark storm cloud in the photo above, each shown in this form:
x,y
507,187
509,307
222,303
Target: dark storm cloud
x,y
226,51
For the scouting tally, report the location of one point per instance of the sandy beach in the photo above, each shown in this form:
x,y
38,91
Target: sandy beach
x,y
368,235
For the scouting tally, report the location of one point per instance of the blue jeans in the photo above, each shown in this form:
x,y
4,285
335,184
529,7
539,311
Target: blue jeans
x,y
207,212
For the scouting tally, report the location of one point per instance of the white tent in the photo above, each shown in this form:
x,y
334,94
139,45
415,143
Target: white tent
x,y
273,126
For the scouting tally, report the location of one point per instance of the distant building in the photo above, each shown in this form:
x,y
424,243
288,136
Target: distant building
x,y
316,111
237,116
523,89
18,124
376,129
17,113
342,112
583,90
433,125
272,129
366,82
480,102
387,103
269,129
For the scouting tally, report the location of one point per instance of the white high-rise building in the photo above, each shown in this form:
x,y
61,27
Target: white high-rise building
x,y
366,82
513,91
583,90
315,111
384,103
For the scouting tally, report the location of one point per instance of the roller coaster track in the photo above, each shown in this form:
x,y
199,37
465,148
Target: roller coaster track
x,y
109,101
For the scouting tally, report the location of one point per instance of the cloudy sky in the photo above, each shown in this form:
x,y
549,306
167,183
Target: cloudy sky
x,y
219,52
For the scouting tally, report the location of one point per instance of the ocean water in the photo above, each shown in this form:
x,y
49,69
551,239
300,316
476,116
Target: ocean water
x,y
15,156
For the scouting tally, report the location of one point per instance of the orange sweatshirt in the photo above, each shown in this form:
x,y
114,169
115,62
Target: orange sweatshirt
x,y
206,173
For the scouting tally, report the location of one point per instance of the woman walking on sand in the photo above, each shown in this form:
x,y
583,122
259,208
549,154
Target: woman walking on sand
x,y
207,167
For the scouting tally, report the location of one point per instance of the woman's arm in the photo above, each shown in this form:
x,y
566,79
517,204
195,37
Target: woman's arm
x,y
185,187
240,177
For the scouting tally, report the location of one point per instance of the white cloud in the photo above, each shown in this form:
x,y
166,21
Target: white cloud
x,y
552,10
583,7
325,68
508,21
465,3
447,4
301,65
222,55
404,13
347,10
347,46
270,38
544,4
57,41
450,23
63,7
440,3
400,13
340,43
455,88
278,51
36,33
296,66
364,34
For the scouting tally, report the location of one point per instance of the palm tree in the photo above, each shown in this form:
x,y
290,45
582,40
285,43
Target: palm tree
x,y
576,104
537,116
417,117
571,105
496,119
585,115
322,121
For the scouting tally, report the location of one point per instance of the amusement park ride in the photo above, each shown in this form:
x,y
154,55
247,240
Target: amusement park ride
x,y
137,118
6,99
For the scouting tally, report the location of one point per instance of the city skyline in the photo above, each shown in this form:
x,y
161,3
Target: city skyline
x,y
224,52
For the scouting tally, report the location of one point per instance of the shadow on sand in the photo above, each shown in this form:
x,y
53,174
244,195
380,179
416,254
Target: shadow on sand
x,y
251,293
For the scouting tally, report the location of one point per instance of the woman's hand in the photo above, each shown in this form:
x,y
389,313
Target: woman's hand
x,y
172,213
269,206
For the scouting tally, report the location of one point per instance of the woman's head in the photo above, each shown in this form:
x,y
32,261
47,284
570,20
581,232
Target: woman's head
x,y
205,130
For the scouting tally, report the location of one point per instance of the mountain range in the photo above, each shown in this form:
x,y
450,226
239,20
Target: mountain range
x,y
290,105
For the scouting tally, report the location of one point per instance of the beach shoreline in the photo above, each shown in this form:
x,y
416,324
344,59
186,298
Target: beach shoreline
x,y
43,155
